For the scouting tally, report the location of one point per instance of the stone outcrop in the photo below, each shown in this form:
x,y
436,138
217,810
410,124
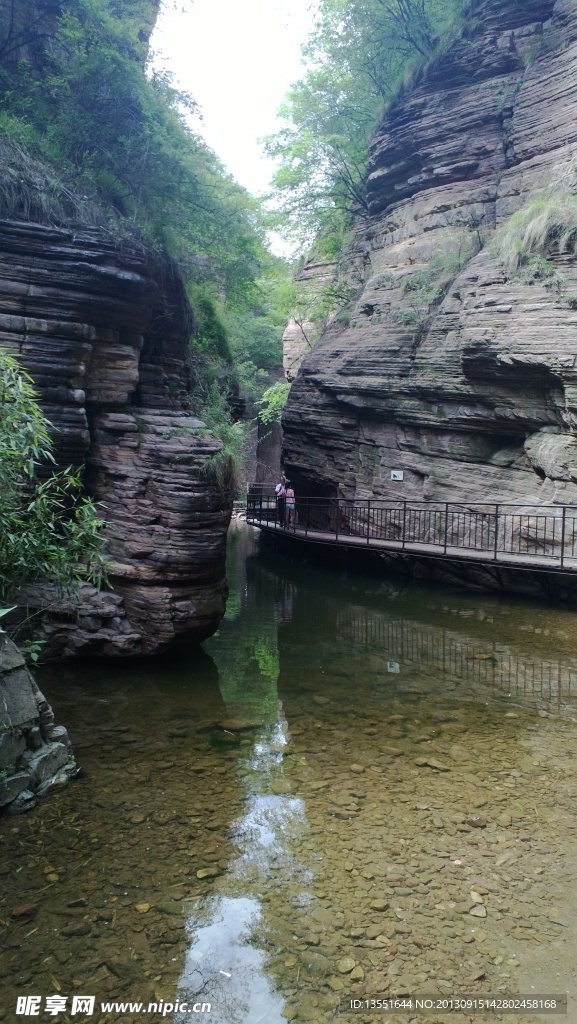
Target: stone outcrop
x,y
452,368
303,331
103,329
34,751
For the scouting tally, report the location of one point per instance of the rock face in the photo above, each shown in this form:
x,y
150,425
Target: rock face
x,y
302,332
452,369
34,752
103,330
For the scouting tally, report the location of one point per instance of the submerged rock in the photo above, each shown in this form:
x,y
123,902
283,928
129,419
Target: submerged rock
x,y
32,758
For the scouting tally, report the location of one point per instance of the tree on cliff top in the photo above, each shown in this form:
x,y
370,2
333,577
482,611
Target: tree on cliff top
x,y
48,528
355,60
87,106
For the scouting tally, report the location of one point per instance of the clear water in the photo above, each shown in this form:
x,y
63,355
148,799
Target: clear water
x,y
309,811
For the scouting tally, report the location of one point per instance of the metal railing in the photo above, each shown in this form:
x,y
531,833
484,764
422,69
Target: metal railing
x,y
500,666
542,535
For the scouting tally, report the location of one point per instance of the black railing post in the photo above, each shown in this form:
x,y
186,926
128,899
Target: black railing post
x,y
404,522
368,520
337,520
496,531
563,536
446,526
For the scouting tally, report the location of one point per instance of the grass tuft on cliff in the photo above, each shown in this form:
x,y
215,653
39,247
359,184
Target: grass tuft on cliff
x,y
546,225
34,190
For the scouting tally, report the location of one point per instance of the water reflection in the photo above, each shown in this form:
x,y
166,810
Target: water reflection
x,y
225,968
480,648
370,664
227,963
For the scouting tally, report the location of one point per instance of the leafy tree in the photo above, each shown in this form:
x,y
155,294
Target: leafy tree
x,y
355,60
210,333
273,401
48,528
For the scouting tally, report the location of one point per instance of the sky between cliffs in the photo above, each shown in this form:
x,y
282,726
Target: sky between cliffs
x,y
237,58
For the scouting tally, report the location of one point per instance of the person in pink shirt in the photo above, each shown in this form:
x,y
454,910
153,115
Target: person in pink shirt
x,y
290,504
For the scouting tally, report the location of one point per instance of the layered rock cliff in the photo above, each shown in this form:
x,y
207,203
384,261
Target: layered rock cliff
x,y
103,329
452,368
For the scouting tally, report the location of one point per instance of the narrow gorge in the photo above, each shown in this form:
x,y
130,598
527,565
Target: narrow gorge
x,y
284,789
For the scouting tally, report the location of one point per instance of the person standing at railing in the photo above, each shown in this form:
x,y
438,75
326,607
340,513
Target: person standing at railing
x,y
280,492
290,504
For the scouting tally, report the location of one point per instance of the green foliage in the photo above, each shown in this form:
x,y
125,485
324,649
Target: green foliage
x,y
426,288
210,334
116,135
223,373
308,301
545,225
32,649
256,335
48,529
355,60
273,401
538,269
430,283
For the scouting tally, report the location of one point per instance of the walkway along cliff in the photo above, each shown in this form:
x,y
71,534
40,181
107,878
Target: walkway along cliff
x,y
456,371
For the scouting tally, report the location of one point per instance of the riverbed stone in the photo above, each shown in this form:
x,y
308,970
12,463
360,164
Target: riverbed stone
x,y
478,911
346,964
209,872
12,786
45,762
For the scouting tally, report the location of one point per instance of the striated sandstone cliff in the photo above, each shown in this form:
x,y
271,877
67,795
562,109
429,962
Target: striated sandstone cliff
x,y
103,329
473,395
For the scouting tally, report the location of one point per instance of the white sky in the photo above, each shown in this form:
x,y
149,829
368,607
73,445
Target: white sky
x,y
237,58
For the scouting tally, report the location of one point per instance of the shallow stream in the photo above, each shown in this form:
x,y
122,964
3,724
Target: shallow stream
x,y
362,788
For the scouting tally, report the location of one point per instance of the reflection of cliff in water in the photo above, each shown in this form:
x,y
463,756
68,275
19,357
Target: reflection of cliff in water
x,y
409,638
246,646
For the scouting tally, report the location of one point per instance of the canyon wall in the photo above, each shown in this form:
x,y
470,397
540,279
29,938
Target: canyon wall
x,y
103,329
473,394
